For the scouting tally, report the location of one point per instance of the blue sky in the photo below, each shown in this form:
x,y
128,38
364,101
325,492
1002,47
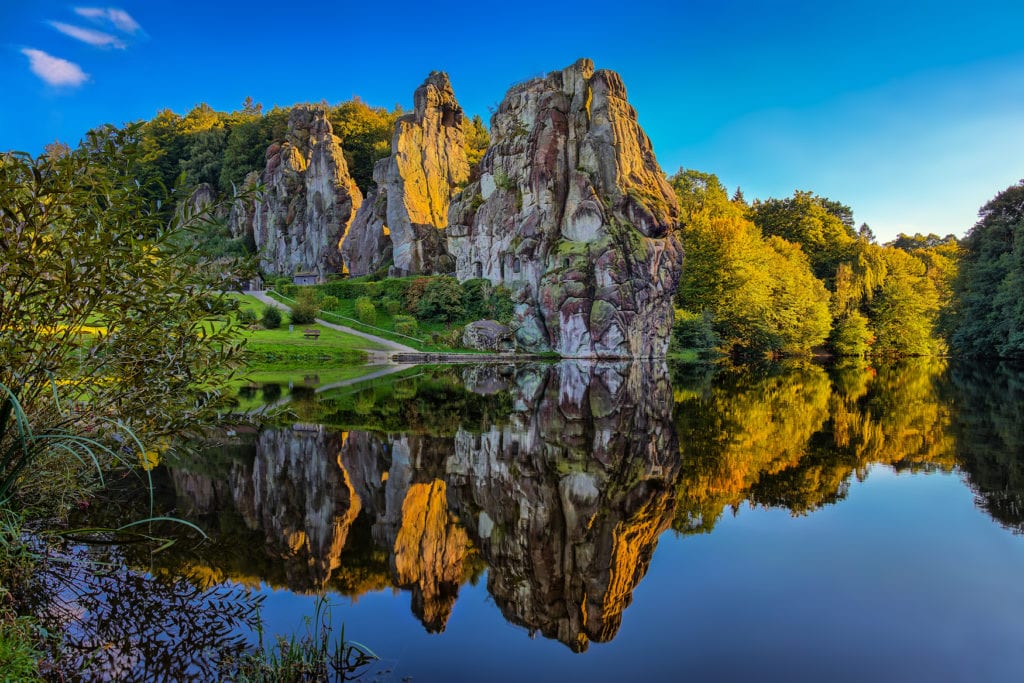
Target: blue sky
x,y
912,113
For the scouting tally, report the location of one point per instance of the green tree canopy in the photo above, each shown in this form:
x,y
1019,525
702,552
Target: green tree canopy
x,y
988,314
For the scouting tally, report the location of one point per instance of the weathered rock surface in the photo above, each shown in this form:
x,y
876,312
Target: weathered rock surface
x,y
573,213
487,335
308,202
426,169
368,244
243,213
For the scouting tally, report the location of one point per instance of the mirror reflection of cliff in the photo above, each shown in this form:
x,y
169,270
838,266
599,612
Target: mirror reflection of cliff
x,y
567,500
560,477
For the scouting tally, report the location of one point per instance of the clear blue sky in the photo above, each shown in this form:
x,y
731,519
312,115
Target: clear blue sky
x,y
910,112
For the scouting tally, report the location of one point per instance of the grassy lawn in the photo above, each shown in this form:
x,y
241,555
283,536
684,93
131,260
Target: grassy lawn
x,y
384,325
292,349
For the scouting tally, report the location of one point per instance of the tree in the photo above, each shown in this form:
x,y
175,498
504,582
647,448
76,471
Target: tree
x,y
477,140
823,227
988,315
759,294
442,300
100,298
365,134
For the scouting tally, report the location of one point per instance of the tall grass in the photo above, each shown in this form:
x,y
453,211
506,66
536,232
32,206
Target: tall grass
x,y
314,656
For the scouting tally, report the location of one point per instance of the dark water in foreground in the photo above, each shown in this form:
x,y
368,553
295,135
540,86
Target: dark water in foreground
x,y
789,522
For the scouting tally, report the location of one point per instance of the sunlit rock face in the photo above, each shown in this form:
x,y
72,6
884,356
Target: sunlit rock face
x,y
308,202
415,186
573,213
567,501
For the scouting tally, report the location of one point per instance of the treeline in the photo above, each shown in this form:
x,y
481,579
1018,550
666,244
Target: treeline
x,y
791,276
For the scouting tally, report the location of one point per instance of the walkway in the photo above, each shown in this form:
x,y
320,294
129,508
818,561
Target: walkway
x,y
391,346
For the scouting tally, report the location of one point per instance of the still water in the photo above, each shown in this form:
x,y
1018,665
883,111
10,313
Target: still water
x,y
611,521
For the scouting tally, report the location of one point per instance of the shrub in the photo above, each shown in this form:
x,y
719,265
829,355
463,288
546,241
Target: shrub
x,y
329,303
442,300
271,318
693,330
483,300
246,316
305,309
392,306
365,310
303,313
281,282
406,324
414,292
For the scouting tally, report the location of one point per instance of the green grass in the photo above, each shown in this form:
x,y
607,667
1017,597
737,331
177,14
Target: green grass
x,y
272,347
345,314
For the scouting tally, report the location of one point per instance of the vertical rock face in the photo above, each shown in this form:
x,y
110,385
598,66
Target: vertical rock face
x,y
426,168
573,213
243,213
308,202
368,244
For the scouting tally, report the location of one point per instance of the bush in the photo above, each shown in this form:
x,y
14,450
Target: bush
x,y
693,330
414,292
329,303
246,316
483,300
442,300
392,306
303,313
305,309
406,324
271,318
365,310
281,282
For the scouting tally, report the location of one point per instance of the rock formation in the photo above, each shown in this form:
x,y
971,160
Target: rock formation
x,y
573,213
415,186
308,201
243,212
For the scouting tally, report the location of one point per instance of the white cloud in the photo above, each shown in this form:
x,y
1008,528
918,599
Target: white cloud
x,y
86,35
121,20
54,70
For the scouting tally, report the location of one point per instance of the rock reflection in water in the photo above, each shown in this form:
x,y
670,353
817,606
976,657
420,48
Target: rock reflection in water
x,y
563,499
566,501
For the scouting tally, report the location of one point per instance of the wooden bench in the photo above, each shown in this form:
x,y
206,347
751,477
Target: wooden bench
x,y
311,334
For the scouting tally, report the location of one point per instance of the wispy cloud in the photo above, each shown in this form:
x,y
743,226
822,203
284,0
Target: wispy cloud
x,y
120,19
54,70
87,35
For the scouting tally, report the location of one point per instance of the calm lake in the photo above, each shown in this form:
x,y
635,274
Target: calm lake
x,y
598,522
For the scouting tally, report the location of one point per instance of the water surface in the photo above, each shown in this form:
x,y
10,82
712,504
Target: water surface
x,y
542,522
